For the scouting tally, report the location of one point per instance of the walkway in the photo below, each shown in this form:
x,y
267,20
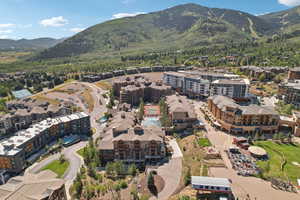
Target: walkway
x,y
171,173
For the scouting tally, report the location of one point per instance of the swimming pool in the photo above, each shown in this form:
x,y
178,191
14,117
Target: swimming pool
x,y
151,121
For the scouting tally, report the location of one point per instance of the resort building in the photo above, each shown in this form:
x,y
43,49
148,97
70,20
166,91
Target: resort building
x,y
132,90
17,151
22,113
254,72
197,84
191,85
41,186
294,74
125,140
290,92
235,118
181,112
236,88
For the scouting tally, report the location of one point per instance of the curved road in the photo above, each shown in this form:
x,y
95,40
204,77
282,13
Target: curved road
x,y
70,152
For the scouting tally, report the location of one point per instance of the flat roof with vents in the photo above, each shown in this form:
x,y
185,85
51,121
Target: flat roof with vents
x,y
210,181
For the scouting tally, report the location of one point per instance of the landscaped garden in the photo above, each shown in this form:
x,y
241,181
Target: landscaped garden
x,y
58,166
283,162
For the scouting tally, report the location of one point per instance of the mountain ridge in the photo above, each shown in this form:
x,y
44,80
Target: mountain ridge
x,y
182,26
29,44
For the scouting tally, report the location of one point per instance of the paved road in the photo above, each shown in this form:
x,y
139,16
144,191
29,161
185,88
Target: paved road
x,y
242,186
171,173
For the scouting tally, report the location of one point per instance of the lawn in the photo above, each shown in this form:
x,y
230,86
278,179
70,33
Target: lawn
x,y
204,142
277,154
80,152
57,167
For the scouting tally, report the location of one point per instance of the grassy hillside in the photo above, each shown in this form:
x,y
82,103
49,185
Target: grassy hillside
x,y
180,27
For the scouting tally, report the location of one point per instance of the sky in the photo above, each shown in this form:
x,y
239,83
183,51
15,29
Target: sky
x,y
63,18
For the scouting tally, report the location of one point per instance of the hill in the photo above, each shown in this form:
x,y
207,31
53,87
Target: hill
x,y
287,22
24,44
179,27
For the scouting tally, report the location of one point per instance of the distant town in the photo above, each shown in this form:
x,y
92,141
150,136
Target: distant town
x,y
160,132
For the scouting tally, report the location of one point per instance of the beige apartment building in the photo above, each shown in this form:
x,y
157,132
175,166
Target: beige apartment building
x,y
235,118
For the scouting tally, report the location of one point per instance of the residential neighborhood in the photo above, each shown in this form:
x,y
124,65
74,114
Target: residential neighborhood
x,y
141,122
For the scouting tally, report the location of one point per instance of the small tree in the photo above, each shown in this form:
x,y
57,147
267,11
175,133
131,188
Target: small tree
x,y
62,158
132,170
141,109
150,181
256,137
276,136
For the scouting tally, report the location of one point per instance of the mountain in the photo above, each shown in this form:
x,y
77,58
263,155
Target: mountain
x,y
287,21
24,44
182,26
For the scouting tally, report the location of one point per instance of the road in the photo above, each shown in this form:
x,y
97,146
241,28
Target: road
x,y
242,186
70,153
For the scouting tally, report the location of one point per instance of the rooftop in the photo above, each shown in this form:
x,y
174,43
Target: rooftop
x,y
31,186
210,181
12,145
233,81
224,102
20,94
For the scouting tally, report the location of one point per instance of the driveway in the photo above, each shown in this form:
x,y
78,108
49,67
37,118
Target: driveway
x,y
171,173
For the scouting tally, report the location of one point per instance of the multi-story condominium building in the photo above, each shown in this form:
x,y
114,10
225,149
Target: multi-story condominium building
x,y
203,84
15,151
294,73
269,72
235,118
126,141
236,88
181,112
22,113
41,186
131,90
290,92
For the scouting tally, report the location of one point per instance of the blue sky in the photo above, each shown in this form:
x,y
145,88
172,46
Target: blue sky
x,y
63,18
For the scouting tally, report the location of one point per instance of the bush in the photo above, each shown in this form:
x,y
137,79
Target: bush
x,y
187,177
123,184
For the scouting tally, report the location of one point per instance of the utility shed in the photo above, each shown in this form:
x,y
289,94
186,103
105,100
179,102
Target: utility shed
x,y
211,184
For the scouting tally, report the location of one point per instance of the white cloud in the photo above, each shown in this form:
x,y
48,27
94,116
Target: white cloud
x,y
122,15
4,37
54,22
5,31
6,25
127,1
76,30
289,2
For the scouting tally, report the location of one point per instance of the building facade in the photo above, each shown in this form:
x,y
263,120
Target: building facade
x,y
237,89
132,90
290,92
204,84
181,112
22,113
294,73
235,118
15,151
125,140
